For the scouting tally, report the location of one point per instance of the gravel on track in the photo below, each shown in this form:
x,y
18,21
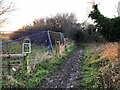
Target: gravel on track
x,y
68,74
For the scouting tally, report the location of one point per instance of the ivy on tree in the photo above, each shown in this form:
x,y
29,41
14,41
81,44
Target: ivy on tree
x,y
109,28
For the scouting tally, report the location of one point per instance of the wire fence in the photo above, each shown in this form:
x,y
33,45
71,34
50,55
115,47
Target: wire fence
x,y
16,61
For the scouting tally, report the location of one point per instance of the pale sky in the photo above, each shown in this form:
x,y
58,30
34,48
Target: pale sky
x,y
28,10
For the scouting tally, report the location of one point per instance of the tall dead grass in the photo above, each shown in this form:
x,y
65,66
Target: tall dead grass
x,y
110,71
111,51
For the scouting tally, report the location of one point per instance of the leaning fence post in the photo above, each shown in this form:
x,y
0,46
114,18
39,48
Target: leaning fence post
x,y
50,47
62,38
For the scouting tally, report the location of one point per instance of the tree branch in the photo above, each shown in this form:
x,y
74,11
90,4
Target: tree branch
x,y
5,9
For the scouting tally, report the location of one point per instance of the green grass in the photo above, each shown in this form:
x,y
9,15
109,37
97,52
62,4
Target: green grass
x,y
91,70
12,48
44,69
47,67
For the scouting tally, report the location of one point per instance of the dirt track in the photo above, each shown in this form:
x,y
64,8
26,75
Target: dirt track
x,y
68,75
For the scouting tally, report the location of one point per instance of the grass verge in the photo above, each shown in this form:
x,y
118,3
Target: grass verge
x,y
101,66
33,79
90,70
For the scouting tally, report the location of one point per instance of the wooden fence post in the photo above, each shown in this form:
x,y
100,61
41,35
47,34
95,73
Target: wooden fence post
x,y
24,64
8,65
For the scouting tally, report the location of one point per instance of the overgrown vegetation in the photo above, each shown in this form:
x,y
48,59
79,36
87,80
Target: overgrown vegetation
x,y
102,61
12,48
42,70
64,23
101,66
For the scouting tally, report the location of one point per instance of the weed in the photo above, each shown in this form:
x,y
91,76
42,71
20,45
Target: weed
x,y
101,70
35,77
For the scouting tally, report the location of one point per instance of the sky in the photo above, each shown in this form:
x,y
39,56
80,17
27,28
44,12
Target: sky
x,y
28,10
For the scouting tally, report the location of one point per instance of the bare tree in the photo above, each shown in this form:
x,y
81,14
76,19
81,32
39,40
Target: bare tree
x,y
4,9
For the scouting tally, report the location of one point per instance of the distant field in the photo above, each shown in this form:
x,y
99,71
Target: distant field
x,y
5,36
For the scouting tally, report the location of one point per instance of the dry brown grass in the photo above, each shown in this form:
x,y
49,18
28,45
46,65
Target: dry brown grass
x,y
110,74
111,51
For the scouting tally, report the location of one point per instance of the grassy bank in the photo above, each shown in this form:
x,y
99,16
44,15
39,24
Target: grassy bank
x,y
101,66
